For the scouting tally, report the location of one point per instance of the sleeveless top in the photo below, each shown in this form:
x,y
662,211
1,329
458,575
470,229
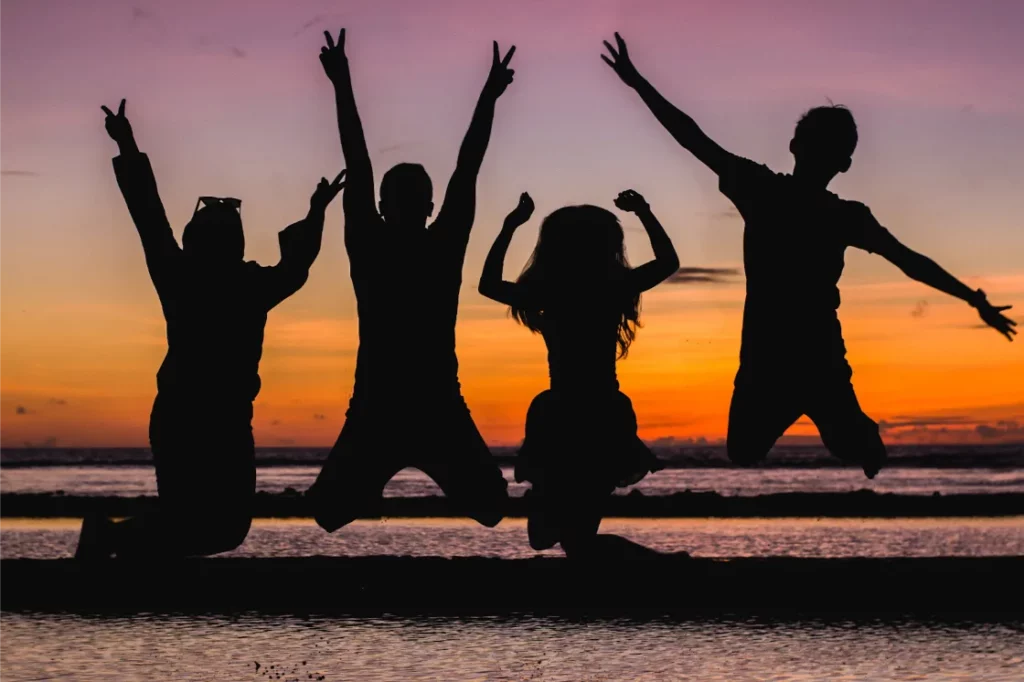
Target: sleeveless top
x,y
580,331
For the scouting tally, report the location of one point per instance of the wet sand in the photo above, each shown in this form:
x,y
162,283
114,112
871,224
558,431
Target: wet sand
x,y
859,504
669,584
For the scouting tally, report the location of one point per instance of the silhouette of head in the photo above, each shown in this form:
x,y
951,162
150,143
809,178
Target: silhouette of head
x,y
214,235
578,248
406,195
824,140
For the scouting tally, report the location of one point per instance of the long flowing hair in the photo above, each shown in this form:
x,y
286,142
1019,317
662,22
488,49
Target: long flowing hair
x,y
577,245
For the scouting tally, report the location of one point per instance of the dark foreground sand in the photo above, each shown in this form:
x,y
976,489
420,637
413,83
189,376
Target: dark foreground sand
x,y
939,587
864,503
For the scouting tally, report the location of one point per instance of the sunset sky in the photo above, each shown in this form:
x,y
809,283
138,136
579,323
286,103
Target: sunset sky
x,y
229,99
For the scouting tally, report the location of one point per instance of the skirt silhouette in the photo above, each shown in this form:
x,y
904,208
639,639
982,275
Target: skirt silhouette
x,y
579,447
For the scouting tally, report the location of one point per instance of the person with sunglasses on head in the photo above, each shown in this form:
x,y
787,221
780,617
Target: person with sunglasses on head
x,y
407,275
215,305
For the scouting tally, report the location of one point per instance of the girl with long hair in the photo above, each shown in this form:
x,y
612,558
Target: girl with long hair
x,y
580,293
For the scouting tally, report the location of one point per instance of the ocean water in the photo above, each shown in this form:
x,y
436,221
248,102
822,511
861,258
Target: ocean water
x,y
262,646
803,537
134,480
254,646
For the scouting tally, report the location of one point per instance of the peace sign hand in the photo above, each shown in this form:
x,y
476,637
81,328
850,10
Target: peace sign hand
x,y
117,125
326,191
500,76
333,58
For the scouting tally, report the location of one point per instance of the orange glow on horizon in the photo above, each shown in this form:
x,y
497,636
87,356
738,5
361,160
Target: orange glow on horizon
x,y
235,103
95,388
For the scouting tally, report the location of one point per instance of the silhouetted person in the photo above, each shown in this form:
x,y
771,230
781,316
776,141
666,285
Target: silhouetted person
x,y
793,359
215,305
579,292
407,277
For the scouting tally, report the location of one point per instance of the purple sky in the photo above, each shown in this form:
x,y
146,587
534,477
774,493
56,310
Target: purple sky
x,y
229,99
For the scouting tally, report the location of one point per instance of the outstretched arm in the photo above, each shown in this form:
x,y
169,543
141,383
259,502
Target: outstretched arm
x,y
138,187
683,128
925,270
459,207
666,262
492,285
300,245
359,190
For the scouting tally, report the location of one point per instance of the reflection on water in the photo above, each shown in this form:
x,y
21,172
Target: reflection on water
x,y
901,537
155,647
130,481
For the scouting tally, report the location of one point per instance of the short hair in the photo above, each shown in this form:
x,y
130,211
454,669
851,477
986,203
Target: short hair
x,y
830,129
405,178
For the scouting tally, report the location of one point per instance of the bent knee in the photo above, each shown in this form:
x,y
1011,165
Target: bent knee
x,y
340,506
485,500
489,519
540,535
332,515
213,534
745,453
228,533
539,542
491,510
578,545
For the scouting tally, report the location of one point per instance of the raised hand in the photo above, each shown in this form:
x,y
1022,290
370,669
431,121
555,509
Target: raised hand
x,y
500,76
521,213
326,191
631,201
621,62
332,56
117,125
993,317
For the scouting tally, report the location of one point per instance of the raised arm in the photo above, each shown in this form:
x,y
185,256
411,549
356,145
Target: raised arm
x,y
666,262
865,232
359,191
300,245
459,207
492,285
138,187
923,269
683,128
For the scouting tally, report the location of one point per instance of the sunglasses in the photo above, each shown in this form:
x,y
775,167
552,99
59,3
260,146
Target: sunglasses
x,y
218,201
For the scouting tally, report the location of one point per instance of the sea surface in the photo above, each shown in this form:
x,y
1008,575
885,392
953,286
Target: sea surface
x,y
254,646
134,480
913,470
803,537
262,646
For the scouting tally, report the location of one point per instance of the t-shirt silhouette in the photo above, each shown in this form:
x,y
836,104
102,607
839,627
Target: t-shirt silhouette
x,y
793,255
407,296
215,316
